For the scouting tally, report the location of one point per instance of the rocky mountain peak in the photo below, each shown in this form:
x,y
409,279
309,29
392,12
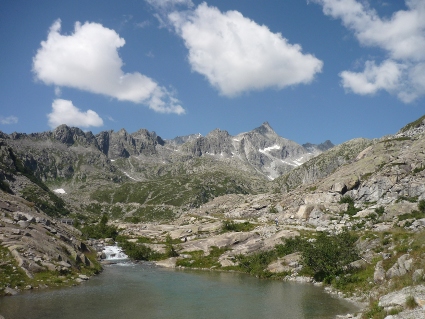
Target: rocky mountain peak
x,y
218,133
318,148
71,135
179,140
265,128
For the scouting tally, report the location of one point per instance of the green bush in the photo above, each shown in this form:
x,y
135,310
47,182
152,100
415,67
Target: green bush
x,y
413,215
380,210
100,230
330,255
407,199
4,186
375,312
351,210
273,210
198,259
231,226
170,251
137,251
346,200
256,264
421,206
290,245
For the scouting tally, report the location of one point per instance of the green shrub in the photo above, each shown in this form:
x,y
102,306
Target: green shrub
x,y
100,230
413,215
375,312
273,210
137,251
170,251
421,206
346,200
380,210
4,186
231,226
290,245
329,255
198,259
256,264
418,169
407,199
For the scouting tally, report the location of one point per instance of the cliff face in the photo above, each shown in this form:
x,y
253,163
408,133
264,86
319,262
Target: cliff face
x,y
34,234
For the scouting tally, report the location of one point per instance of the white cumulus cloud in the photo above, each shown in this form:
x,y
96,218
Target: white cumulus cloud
x,y
88,60
236,55
8,120
64,112
385,76
402,37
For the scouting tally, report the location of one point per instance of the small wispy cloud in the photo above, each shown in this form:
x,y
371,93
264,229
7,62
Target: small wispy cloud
x,y
58,91
142,24
8,120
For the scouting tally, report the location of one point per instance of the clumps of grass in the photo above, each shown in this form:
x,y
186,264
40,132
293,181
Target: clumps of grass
x,y
231,226
415,214
351,210
365,176
413,124
144,240
411,302
312,188
10,274
170,250
418,170
198,259
375,311
380,210
407,199
273,210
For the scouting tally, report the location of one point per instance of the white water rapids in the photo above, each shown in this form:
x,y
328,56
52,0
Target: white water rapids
x,y
114,253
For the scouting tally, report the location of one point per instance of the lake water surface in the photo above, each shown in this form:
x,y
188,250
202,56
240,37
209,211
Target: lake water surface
x,y
140,291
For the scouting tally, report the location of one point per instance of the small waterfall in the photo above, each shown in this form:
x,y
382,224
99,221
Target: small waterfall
x,y
114,253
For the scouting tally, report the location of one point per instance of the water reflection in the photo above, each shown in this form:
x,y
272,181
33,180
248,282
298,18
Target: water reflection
x,y
135,291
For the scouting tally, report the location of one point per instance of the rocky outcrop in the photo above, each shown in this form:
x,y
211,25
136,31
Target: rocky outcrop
x,y
123,144
39,243
397,299
401,267
324,165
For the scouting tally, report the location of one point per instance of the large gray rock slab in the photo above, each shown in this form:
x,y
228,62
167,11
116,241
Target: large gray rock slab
x,y
379,274
398,298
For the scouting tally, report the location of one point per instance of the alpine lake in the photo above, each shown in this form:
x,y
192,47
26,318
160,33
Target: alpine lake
x,y
129,290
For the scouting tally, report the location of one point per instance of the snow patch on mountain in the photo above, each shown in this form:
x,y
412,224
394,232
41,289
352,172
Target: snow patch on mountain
x,y
268,149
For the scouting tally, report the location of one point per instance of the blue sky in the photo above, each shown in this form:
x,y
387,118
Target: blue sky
x,y
315,70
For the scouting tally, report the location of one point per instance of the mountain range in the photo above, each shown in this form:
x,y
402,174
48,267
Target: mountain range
x,y
189,186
